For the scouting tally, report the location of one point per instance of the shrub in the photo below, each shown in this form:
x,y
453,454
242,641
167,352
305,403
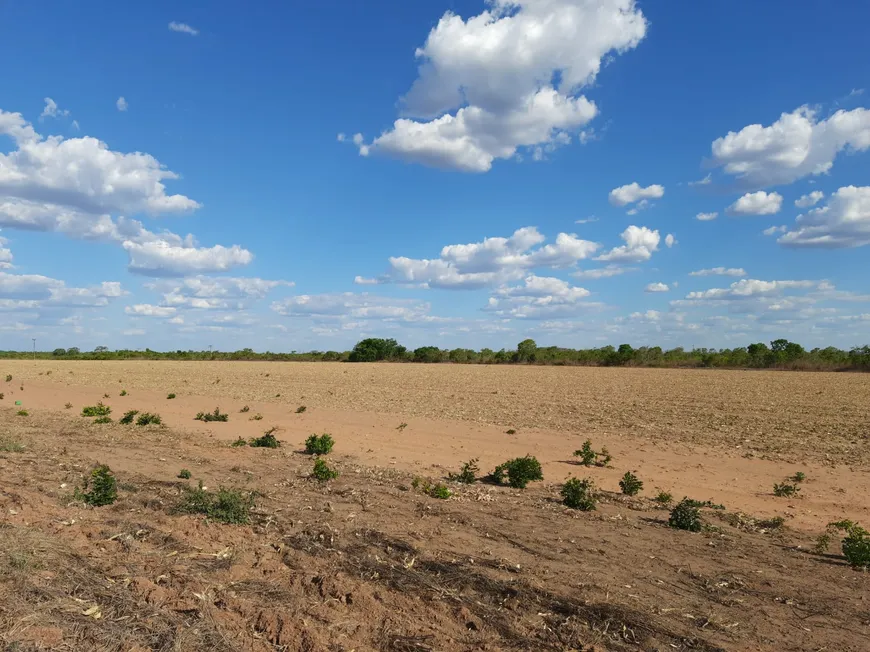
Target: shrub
x,y
800,476
702,503
510,431
2,396
256,417
439,491
98,410
579,494
123,392
101,487
301,409
11,446
103,420
227,505
855,545
239,443
686,516
212,416
630,484
8,378
664,498
23,413
321,445
785,490
68,406
401,427
266,441
128,417
170,396
590,457
322,472
244,409
147,418
184,474
520,471
104,395
468,473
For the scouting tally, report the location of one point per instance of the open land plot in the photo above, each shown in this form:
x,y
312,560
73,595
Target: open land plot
x,y
368,562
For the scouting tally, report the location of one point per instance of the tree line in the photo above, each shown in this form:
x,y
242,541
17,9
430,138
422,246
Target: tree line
x,y
779,354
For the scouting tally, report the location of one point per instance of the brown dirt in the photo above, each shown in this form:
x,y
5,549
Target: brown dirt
x,y
367,563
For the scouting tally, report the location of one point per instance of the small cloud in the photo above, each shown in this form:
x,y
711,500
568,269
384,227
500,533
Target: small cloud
x,y
670,240
341,138
656,287
361,280
588,220
121,104
183,28
757,203
75,125
706,217
706,181
813,198
51,110
856,92
358,139
773,230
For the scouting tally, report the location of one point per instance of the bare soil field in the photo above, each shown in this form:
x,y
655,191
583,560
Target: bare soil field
x,y
368,562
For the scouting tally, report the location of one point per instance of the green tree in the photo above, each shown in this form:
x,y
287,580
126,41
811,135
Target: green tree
x,y
375,349
527,351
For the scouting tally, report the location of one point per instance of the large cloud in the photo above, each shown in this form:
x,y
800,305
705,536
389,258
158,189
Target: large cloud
x,y
214,293
757,203
795,146
508,78
539,298
843,222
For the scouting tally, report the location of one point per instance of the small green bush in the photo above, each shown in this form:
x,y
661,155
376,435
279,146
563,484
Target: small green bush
x,y
128,417
244,409
855,545
123,392
301,409
510,431
579,494
439,491
227,505
686,516
267,440
630,484
520,471
256,417
785,490
147,418
98,410
238,443
11,446
212,416
184,474
468,473
322,472
798,477
101,488
170,396
23,413
590,457
103,420
321,445
8,378
664,498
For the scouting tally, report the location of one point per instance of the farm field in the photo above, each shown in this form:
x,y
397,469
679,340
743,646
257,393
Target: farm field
x,y
369,562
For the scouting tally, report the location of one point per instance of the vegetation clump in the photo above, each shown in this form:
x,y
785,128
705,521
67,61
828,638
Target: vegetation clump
x,y
100,488
319,445
322,472
68,406
184,474
256,417
798,477
579,494
128,417
212,416
855,545
267,440
170,396
590,457
226,505
468,473
123,392
2,396
630,484
238,443
785,490
245,409
301,409
98,410
686,516
519,471
147,419
438,490
510,431
23,413
664,498
103,420
8,378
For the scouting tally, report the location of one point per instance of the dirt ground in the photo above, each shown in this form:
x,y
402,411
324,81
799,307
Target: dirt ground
x,y
367,562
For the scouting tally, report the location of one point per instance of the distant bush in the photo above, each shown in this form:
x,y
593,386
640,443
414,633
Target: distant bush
x,y
785,490
519,471
238,443
322,472
2,396
510,431
855,545
212,416
68,406
123,392
664,498
245,409
227,505
301,409
630,484
128,417
170,396
8,378
147,419
590,457
468,473
437,490
23,413
686,516
100,488
256,417
98,410
579,494
103,420
321,445
798,477
184,474
401,427
267,440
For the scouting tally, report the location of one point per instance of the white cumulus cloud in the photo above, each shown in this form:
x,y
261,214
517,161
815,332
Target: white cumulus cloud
x,y
162,258
843,222
640,243
183,28
121,104
634,192
813,198
539,298
656,287
720,271
706,217
757,203
51,110
506,79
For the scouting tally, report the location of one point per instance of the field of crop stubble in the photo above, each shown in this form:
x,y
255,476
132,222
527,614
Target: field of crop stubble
x,y
368,563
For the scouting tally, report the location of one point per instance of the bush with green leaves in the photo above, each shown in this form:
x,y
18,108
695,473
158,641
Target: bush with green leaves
x,y
322,472
519,472
238,443
128,417
590,457
301,409
785,490
686,516
630,484
855,545
98,410
170,396
123,392
798,477
212,416
468,473
437,490
103,420
319,445
256,417
579,494
245,409
226,505
8,378
100,487
267,440
184,474
23,413
664,498
147,419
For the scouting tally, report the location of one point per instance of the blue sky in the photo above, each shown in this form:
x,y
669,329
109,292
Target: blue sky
x,y
458,173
